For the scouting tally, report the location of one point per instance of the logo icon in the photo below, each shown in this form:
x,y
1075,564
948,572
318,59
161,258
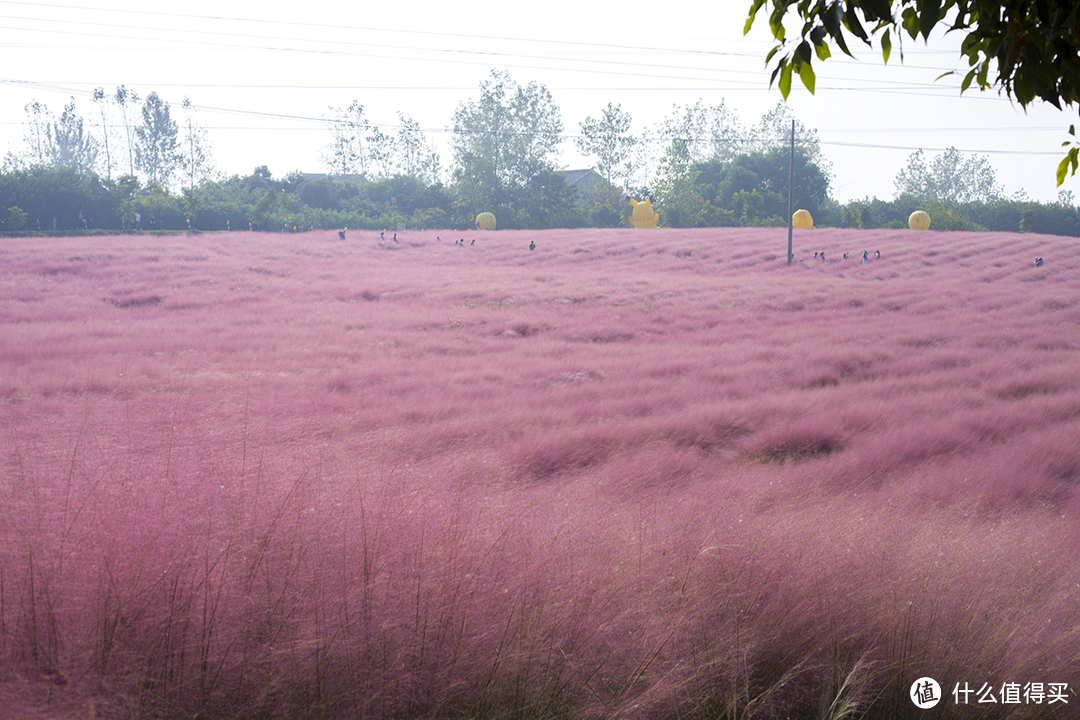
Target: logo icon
x,y
925,693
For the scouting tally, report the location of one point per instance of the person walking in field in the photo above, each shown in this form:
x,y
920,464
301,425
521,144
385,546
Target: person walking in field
x,y
865,257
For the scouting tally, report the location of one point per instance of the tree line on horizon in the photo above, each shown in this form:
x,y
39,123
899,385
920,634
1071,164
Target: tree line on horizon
x,y
700,166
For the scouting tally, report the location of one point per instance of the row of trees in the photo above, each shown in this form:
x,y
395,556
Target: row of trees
x,y
147,135
749,190
700,166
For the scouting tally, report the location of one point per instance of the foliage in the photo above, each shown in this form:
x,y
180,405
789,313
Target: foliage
x,y
752,190
504,163
950,177
608,140
102,101
773,132
48,191
381,151
765,175
606,206
677,200
127,101
38,121
1031,49
704,132
157,146
16,219
196,162
503,141
68,143
346,153
414,155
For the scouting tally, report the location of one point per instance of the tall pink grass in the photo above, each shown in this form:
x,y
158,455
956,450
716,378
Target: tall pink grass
x,y
627,474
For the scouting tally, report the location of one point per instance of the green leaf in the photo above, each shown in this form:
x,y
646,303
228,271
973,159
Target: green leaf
x,y
785,79
753,16
851,20
842,44
776,24
967,80
886,46
1023,89
806,74
1063,166
833,19
821,46
930,15
879,9
911,22
803,51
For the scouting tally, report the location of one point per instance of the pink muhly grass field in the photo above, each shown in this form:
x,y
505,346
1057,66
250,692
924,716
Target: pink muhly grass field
x,y
628,474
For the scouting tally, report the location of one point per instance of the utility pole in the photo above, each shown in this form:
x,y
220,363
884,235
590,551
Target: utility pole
x,y
790,193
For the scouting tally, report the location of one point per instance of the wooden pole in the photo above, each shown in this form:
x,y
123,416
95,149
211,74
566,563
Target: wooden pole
x,y
790,193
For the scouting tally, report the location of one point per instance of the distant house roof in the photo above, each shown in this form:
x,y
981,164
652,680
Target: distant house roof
x,y
582,178
359,179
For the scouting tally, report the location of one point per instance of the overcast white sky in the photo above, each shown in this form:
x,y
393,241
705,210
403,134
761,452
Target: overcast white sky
x,y
262,76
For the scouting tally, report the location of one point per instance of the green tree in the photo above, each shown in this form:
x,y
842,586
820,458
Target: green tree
x,y
678,201
504,140
346,153
157,143
949,177
413,154
16,219
127,101
774,131
755,188
609,141
1028,50
38,121
102,101
381,151
195,148
47,191
68,143
708,132
717,182
811,183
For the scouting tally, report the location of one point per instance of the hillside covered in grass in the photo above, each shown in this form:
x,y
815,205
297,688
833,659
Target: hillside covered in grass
x,y
626,474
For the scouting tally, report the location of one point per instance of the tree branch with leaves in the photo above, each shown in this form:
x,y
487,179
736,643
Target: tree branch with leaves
x,y
1027,50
